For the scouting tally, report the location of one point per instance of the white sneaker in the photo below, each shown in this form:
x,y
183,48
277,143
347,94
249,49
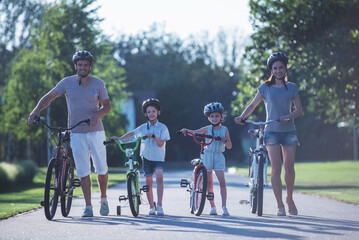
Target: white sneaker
x,y
225,211
160,211
104,210
213,211
152,211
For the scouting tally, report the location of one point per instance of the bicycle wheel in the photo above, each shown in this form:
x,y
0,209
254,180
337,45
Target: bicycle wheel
x,y
260,185
133,197
68,188
200,191
51,196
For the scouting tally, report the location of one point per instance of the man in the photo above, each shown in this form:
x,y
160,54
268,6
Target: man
x,y
84,93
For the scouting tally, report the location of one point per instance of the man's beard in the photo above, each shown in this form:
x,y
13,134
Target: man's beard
x,y
82,74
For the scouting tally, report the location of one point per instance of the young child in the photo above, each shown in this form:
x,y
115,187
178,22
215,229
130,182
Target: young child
x,y
153,150
213,153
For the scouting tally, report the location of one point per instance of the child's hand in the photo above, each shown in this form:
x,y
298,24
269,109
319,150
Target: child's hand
x,y
224,140
150,135
184,131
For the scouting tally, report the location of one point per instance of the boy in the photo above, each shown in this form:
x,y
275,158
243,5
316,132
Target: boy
x,y
153,150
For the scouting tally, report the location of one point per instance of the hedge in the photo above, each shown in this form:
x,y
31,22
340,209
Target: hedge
x,y
16,174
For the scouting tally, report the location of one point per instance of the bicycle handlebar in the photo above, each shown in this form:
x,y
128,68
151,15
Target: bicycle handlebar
x,y
200,135
42,119
261,123
137,141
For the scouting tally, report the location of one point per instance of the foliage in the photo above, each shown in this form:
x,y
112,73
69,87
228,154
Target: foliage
x,y
183,76
13,175
64,28
322,41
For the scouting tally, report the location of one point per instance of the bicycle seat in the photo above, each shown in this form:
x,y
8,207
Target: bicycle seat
x,y
254,132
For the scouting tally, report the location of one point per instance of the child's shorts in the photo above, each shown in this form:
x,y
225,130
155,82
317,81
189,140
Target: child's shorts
x,y
214,161
282,138
150,166
86,145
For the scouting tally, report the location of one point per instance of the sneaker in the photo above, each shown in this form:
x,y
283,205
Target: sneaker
x,y
213,211
281,211
225,211
104,210
160,211
88,212
292,209
152,211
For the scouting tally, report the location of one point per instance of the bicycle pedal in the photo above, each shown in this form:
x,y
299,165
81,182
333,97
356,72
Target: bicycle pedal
x,y
243,202
184,183
210,196
145,188
122,198
76,182
42,203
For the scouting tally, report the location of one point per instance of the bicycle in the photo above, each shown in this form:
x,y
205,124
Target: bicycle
x,y
60,179
198,185
134,191
257,165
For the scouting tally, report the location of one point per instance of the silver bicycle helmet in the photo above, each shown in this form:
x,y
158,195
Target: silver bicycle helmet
x,y
151,102
213,107
82,55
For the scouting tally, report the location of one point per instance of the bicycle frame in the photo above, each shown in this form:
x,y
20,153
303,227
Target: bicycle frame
x,y
131,171
258,164
61,167
193,188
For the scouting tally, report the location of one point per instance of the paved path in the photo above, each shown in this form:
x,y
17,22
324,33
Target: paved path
x,y
319,218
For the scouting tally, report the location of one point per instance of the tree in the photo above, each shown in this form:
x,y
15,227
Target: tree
x,y
65,28
322,41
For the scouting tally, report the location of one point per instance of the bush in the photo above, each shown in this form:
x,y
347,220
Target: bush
x,y
16,174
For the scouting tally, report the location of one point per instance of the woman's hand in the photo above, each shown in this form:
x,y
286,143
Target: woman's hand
x,y
239,120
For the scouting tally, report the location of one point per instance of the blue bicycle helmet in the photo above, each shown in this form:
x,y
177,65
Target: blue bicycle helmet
x,y
213,107
82,55
278,56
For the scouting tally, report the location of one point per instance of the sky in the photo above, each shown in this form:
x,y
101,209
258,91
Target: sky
x,y
183,17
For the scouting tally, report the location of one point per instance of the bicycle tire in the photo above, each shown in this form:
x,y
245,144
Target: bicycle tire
x,y
260,186
191,198
200,191
51,195
253,188
133,197
68,183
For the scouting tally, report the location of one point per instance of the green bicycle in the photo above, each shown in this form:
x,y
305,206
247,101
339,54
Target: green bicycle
x,y
134,191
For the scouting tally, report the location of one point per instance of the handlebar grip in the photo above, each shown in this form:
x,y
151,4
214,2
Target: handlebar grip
x,y
88,122
107,142
178,132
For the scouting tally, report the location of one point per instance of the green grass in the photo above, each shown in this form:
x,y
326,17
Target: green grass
x,y
26,198
336,180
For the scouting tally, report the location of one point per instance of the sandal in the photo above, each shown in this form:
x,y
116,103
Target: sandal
x,y
292,209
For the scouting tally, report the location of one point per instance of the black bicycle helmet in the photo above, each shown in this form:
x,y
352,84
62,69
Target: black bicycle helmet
x,y
213,107
82,55
151,102
278,56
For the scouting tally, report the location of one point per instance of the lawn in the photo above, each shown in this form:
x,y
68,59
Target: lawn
x,y
28,197
337,180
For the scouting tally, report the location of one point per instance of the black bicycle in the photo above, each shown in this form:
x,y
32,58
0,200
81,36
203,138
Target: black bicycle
x,y
60,179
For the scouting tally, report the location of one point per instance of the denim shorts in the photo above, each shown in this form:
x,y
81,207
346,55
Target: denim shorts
x,y
282,138
150,166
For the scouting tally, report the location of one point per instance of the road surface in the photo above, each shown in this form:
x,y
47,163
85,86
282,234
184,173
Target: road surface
x,y
319,218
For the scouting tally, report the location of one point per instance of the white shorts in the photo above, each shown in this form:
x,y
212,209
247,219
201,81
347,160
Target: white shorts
x,y
214,161
86,145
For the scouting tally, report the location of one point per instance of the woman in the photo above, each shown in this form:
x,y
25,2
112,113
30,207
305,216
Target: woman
x,y
279,95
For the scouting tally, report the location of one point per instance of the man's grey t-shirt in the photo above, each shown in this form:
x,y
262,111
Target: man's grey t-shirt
x,y
278,102
82,101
